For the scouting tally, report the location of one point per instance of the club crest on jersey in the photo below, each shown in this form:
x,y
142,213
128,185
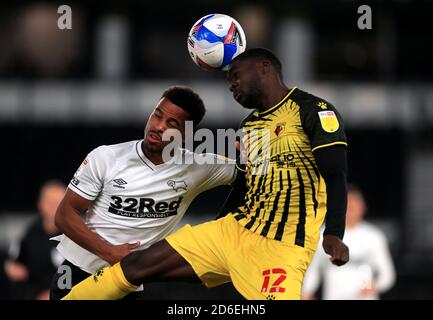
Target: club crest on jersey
x,y
177,185
329,121
280,128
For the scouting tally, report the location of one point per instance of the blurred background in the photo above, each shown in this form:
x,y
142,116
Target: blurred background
x,y
65,92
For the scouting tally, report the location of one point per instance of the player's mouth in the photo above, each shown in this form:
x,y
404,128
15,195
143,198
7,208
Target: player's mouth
x,y
153,137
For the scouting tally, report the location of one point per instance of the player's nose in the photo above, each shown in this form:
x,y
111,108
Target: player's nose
x,y
160,127
233,85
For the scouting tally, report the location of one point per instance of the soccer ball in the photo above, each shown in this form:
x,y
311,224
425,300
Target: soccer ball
x,y
214,41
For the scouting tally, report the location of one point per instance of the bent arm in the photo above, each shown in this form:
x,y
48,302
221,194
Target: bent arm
x,y
68,221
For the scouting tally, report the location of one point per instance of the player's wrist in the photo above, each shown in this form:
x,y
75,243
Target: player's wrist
x,y
104,250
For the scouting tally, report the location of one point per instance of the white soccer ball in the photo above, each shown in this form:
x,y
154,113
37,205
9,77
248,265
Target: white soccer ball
x,y
215,40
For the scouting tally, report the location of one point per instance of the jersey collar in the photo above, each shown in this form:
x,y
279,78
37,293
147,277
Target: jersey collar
x,y
146,160
273,108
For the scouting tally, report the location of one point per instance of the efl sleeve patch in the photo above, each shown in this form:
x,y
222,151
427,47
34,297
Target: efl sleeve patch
x,y
329,121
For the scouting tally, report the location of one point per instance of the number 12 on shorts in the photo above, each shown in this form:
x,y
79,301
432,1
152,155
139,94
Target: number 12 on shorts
x,y
278,275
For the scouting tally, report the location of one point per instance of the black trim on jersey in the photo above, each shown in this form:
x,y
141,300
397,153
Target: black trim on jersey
x,y
252,118
261,206
240,216
285,216
136,149
255,199
272,181
271,218
250,223
313,189
259,209
83,191
316,170
260,184
247,118
251,194
300,228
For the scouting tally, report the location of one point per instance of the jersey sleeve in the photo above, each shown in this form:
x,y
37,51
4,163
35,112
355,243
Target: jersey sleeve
x,y
382,262
216,171
323,124
88,180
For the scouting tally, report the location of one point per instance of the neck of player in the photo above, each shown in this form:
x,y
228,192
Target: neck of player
x,y
154,156
272,95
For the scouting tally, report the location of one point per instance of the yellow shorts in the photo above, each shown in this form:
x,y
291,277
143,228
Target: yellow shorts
x,y
260,268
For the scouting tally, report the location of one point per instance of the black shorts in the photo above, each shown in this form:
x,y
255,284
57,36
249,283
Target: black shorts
x,y
57,290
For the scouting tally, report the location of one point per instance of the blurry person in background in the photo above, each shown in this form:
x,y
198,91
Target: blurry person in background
x,y
34,259
370,271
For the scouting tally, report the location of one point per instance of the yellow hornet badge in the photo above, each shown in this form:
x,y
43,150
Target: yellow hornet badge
x,y
329,121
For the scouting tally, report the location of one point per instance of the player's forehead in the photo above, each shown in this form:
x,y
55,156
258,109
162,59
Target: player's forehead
x,y
170,109
240,65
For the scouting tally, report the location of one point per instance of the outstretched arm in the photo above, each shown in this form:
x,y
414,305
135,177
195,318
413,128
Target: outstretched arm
x,y
332,164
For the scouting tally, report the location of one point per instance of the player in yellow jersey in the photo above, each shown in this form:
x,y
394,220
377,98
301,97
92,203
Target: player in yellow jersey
x,y
295,178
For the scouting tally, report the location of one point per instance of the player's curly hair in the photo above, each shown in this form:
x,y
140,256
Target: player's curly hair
x,y
188,100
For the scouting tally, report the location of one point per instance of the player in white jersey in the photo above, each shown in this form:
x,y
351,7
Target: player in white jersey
x,y
133,198
370,270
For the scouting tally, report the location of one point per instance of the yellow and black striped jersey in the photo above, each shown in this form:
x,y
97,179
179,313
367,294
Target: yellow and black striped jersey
x,y
286,196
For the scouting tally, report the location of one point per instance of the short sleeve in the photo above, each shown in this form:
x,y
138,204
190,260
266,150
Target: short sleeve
x,y
216,171
88,180
323,124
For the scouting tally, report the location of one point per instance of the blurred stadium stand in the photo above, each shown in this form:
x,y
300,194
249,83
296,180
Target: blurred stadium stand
x,y
64,92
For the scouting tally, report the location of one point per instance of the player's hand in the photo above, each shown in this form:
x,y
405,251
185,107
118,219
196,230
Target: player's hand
x,y
336,248
117,252
366,293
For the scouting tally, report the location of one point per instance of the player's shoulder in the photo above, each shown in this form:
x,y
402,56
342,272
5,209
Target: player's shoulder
x,y
310,102
247,118
204,158
114,151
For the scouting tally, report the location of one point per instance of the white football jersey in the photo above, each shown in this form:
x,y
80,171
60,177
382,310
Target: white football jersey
x,y
135,200
370,263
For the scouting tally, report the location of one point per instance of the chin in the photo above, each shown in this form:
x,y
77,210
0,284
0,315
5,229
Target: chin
x,y
246,104
152,147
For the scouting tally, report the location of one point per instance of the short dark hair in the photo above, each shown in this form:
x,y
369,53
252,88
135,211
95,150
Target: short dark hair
x,y
261,54
188,100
